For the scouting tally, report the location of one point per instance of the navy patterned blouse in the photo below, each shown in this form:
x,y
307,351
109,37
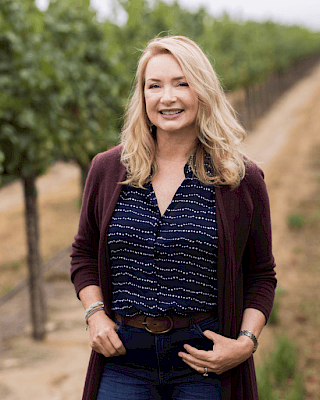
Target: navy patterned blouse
x,y
164,265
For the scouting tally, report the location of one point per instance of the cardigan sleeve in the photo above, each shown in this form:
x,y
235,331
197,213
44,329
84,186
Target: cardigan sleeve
x,y
84,256
258,261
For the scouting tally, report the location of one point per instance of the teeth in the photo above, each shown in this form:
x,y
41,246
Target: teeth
x,y
171,112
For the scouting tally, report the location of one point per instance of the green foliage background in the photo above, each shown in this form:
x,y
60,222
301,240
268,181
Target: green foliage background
x,y
66,76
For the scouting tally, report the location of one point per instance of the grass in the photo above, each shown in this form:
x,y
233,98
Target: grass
x,y
284,361
277,377
264,379
296,221
12,266
5,289
274,316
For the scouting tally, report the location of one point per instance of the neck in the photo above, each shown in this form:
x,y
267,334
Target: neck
x,y
175,150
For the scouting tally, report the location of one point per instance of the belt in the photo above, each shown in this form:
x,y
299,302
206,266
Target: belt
x,y
163,324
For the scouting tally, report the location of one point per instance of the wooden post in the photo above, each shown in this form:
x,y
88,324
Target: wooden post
x,y
36,281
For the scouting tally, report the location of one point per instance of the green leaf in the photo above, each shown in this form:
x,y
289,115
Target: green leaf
x,y
47,68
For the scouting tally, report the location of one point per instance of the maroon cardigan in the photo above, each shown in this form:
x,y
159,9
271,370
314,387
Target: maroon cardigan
x,y
246,276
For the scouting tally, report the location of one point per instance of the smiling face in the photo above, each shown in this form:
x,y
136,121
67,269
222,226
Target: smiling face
x,y
171,104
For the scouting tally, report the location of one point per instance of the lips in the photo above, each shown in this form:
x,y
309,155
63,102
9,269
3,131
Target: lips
x,y
170,112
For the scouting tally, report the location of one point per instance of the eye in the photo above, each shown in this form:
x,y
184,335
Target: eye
x,y
153,86
183,84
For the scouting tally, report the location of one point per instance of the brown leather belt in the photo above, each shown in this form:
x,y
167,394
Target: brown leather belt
x,y
160,325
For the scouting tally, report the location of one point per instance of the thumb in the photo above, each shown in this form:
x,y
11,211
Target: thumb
x,y
212,335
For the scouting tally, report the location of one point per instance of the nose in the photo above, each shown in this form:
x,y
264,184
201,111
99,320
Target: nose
x,y
168,96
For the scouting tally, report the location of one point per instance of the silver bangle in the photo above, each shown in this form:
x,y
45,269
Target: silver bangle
x,y
252,337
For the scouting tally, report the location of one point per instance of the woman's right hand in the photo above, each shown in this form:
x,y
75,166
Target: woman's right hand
x,y
103,336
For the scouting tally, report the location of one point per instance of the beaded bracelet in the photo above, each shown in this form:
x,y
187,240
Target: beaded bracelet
x,y
92,312
94,305
251,336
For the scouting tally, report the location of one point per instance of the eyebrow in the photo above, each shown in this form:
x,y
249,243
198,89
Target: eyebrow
x,y
178,78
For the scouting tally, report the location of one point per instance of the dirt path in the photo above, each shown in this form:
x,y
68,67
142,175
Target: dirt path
x,y
272,132
293,179
55,369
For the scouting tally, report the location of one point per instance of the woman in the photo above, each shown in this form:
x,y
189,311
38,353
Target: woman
x,y
172,260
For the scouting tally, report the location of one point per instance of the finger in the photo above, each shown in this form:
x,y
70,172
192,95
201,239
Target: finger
x,y
106,348
212,335
116,343
108,343
191,360
112,345
101,345
198,354
197,367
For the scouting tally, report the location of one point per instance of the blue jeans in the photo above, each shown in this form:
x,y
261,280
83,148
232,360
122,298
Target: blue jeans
x,y
152,369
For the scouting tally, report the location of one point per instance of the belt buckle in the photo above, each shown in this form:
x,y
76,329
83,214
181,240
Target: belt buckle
x,y
158,332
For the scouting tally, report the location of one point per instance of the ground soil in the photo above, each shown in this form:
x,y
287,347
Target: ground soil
x,y
286,142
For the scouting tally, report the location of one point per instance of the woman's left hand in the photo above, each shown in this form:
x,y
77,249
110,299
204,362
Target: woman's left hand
x,y
226,353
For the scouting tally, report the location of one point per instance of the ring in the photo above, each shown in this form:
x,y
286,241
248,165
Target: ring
x,y
205,371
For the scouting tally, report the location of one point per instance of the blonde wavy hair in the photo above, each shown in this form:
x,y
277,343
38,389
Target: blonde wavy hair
x,y
220,134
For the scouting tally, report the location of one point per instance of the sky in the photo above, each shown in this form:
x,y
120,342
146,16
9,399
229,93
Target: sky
x,y
301,12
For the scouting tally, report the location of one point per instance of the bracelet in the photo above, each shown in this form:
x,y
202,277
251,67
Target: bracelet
x,y
94,305
252,337
92,312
